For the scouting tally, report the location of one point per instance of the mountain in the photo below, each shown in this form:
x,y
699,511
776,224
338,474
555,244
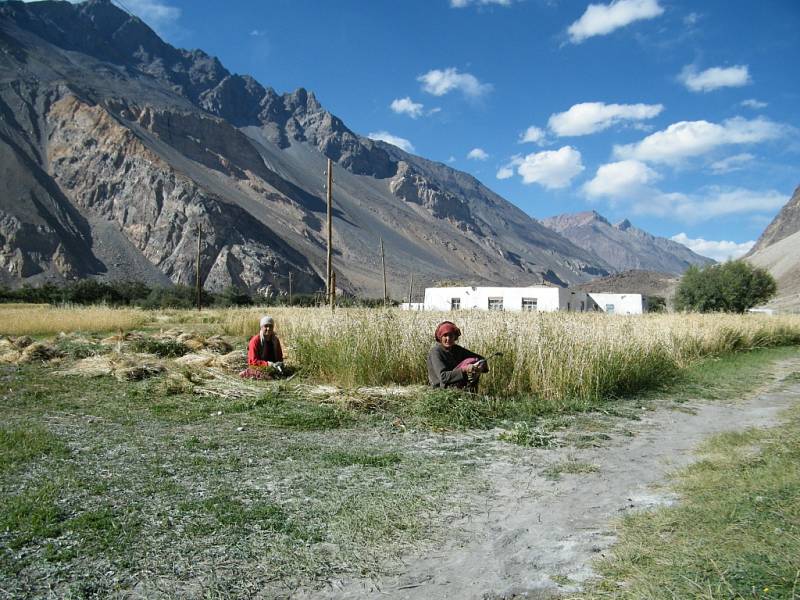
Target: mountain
x,y
623,246
778,251
647,283
116,147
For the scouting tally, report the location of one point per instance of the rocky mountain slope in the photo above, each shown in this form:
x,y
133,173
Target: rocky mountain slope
x,y
115,147
623,246
778,251
647,283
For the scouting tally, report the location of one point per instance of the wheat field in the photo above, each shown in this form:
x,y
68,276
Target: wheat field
x,y
561,358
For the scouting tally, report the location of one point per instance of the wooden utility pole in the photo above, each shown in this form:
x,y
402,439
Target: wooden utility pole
x,y
197,280
333,290
290,288
383,263
410,288
328,281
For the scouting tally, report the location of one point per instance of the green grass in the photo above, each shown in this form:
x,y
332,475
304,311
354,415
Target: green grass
x,y
20,446
124,481
734,534
570,466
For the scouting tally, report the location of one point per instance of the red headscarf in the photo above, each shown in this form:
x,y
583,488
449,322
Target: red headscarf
x,y
446,327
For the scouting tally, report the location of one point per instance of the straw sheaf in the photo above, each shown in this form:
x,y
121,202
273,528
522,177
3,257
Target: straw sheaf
x,y
125,367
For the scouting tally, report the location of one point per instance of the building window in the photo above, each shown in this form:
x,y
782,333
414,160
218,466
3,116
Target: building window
x,y
569,307
530,304
583,306
610,308
455,303
496,303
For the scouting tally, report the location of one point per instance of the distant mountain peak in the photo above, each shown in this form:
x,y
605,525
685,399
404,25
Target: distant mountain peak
x,y
624,246
561,223
623,225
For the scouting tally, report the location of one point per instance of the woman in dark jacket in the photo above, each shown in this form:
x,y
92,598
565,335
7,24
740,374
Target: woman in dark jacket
x,y
451,365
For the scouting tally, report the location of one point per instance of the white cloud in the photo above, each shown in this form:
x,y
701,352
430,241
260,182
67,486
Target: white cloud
x,y
601,19
477,154
452,159
464,3
624,179
719,251
754,104
505,172
532,134
694,138
714,78
591,117
258,33
406,106
440,82
552,169
710,203
732,163
385,136
155,13
691,19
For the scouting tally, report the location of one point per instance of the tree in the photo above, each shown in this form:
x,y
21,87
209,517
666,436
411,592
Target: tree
x,y
733,286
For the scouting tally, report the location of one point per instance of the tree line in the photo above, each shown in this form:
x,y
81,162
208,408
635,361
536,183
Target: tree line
x,y
136,293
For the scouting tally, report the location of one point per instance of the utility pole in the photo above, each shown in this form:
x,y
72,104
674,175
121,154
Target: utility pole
x,y
383,263
410,289
290,288
329,277
333,290
197,280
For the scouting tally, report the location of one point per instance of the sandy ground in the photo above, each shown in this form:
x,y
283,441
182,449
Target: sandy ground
x,y
535,528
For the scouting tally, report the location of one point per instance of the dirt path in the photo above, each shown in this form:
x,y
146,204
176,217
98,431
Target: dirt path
x,y
535,528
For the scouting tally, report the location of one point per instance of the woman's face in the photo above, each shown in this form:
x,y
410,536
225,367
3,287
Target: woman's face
x,y
266,330
448,340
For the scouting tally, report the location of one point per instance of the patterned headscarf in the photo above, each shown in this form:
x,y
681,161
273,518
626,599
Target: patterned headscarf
x,y
446,327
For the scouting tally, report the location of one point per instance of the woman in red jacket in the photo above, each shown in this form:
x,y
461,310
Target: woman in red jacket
x,y
264,350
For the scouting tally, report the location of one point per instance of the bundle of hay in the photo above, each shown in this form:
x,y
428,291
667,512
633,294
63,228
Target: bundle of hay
x,y
22,342
232,361
217,344
39,352
192,341
196,359
125,367
224,385
118,339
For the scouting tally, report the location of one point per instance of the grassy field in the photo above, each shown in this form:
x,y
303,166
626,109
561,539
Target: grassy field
x,y
563,360
175,488
734,534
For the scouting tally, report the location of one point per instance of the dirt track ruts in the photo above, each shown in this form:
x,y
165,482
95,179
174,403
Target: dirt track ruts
x,y
534,528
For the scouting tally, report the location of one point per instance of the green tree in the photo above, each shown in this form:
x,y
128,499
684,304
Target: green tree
x,y
733,286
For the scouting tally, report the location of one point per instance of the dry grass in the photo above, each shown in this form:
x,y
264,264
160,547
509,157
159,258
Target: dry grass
x,y
562,359
43,320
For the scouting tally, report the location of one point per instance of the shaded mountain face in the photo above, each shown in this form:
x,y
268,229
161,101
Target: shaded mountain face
x,y
623,246
786,223
117,149
778,251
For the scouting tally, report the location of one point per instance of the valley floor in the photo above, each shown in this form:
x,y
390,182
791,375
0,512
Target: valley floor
x,y
111,489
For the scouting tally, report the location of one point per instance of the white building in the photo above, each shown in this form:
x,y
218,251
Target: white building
x,y
619,304
534,298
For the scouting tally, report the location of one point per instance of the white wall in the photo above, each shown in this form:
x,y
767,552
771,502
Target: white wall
x,y
623,304
548,299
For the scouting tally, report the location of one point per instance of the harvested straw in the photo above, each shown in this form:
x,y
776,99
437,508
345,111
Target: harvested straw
x,y
235,360
39,352
196,359
125,367
217,344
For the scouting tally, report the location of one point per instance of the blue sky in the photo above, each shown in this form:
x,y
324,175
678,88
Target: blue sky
x,y
680,115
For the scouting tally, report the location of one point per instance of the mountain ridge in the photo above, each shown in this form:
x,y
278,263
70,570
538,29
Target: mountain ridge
x,y
114,139
623,246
